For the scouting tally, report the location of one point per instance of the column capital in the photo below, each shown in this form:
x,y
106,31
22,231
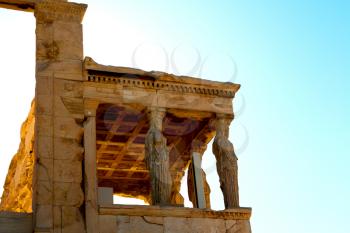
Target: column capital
x,y
198,146
156,109
48,11
222,125
90,107
156,116
229,117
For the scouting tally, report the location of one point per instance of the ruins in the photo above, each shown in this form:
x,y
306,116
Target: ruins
x,y
94,131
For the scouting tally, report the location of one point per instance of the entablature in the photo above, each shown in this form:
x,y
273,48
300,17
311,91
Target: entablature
x,y
130,77
117,85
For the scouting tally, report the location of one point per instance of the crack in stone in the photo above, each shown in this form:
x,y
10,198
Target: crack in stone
x,y
233,225
149,222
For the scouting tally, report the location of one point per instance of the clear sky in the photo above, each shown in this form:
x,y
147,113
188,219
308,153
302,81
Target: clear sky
x,y
292,59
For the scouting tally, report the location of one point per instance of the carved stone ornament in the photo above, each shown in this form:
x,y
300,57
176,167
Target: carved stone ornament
x,y
48,11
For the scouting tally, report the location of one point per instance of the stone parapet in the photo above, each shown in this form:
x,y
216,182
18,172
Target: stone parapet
x,y
132,219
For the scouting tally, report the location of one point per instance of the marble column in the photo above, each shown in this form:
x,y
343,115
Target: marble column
x,y
226,161
157,158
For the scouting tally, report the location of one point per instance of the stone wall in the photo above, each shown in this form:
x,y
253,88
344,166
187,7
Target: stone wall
x,y
146,224
11,222
58,140
17,195
162,219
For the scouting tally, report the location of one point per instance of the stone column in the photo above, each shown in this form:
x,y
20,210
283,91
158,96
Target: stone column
x,y
157,158
197,185
58,193
226,161
90,172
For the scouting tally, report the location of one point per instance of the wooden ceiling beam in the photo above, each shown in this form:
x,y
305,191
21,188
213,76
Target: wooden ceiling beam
x,y
124,151
117,144
119,170
116,124
123,178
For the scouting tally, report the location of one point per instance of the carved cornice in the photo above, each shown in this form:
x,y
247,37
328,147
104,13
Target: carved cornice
x,y
136,78
48,11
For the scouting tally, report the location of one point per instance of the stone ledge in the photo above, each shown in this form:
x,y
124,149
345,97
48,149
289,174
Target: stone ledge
x,y
158,211
11,222
21,5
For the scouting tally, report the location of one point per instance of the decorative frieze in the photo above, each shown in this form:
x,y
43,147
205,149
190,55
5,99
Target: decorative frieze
x,y
137,82
47,11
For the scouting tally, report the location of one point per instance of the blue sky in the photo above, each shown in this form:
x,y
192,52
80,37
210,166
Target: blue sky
x,y
293,62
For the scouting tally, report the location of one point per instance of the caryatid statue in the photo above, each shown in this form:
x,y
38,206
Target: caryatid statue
x,y
226,162
157,158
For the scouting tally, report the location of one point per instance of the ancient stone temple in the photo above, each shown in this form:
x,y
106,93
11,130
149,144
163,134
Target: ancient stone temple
x,y
96,130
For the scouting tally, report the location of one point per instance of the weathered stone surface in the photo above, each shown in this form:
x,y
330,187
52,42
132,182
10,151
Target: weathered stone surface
x,y
44,193
56,11
11,222
44,147
59,108
176,224
67,171
68,88
44,31
66,148
108,224
44,105
44,85
66,127
17,195
237,226
67,31
69,194
230,224
47,49
69,49
44,126
72,220
154,220
123,219
62,69
57,219
44,169
44,218
69,39
172,225
137,225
